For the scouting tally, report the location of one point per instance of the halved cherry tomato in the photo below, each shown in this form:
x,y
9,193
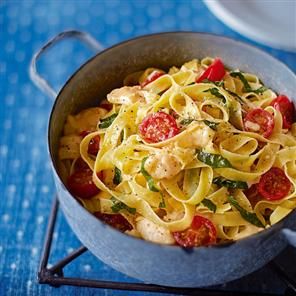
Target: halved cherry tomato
x,y
214,72
94,144
153,76
259,121
80,164
84,133
274,184
158,127
202,232
253,194
80,184
287,109
115,220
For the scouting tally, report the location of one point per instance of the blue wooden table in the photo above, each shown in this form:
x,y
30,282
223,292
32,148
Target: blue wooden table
x,y
26,183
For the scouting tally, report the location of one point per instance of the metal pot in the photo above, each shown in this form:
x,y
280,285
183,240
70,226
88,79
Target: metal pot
x,y
153,263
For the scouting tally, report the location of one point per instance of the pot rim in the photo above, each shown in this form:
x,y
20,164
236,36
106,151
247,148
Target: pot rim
x,y
139,38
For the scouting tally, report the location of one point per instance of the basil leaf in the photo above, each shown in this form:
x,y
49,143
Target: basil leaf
x,y
248,216
215,92
217,83
119,206
247,87
236,96
212,125
209,204
242,78
117,176
106,122
148,178
186,121
213,160
230,183
260,90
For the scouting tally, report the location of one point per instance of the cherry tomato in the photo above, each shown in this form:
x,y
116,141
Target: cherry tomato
x,y
274,184
259,121
158,127
202,232
253,194
287,109
153,76
115,220
80,184
94,144
214,72
80,164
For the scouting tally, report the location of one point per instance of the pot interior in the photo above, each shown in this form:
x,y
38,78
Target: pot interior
x,y
106,71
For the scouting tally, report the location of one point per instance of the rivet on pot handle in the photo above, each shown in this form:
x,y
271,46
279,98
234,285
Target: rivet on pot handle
x,y
40,82
290,236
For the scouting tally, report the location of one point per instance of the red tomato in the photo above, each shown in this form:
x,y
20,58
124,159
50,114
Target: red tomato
x,y
94,144
202,232
80,164
115,220
84,133
214,72
287,109
158,127
80,184
274,184
153,76
253,194
259,121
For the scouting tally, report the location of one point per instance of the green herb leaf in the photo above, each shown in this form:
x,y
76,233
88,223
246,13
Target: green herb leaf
x,y
242,78
247,87
117,176
209,204
217,83
248,216
148,178
260,90
213,160
215,92
106,122
230,183
236,96
119,206
212,125
186,121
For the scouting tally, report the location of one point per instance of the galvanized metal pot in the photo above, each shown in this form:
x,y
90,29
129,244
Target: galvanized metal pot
x,y
153,263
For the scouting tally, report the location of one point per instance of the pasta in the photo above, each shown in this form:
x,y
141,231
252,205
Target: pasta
x,y
195,156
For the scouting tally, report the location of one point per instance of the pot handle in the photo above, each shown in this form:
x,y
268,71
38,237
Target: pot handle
x,y
40,82
290,236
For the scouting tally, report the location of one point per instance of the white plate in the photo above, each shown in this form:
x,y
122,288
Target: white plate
x,y
271,22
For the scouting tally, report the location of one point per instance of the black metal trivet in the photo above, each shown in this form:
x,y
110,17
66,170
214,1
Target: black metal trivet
x,y
54,275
